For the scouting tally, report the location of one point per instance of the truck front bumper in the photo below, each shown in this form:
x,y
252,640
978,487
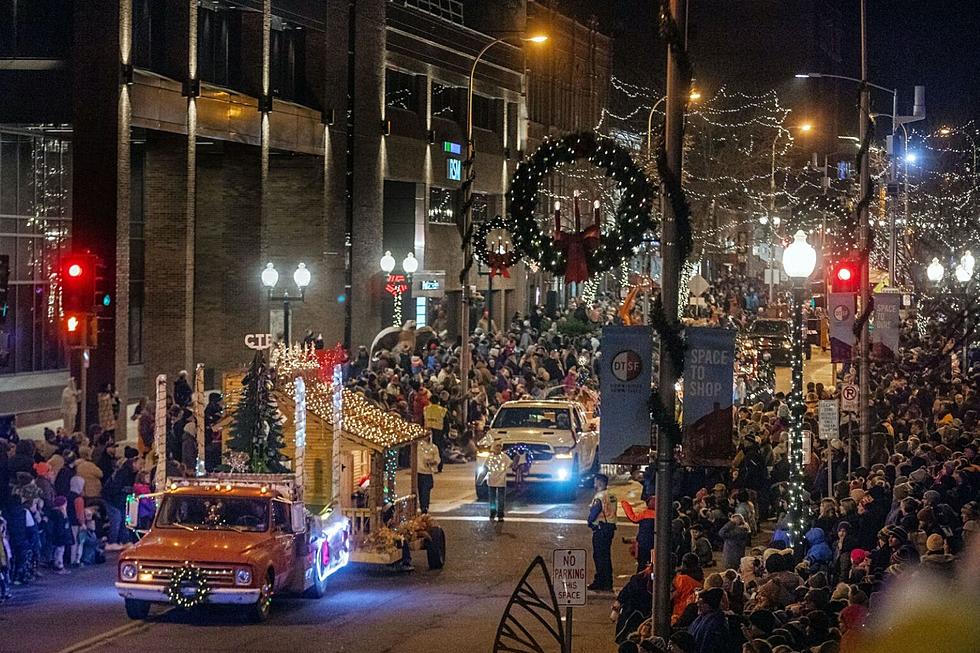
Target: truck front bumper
x,y
218,595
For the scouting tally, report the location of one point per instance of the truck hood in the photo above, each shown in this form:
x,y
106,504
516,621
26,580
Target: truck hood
x,y
200,546
557,438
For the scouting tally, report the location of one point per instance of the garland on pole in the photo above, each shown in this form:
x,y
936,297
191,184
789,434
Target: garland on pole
x,y
183,577
581,254
665,324
499,258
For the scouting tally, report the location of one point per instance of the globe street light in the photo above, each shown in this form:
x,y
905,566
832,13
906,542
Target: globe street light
x,y
799,259
962,273
387,263
935,271
301,277
968,261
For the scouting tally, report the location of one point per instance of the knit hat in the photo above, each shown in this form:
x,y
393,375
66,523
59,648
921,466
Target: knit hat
x,y
927,515
858,556
713,597
59,501
899,533
130,453
935,542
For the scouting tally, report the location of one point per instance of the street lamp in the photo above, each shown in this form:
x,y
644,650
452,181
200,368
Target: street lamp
x,y
799,259
397,284
301,277
467,187
694,96
935,271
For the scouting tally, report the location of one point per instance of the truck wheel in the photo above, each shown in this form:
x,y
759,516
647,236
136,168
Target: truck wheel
x,y
136,609
260,610
482,492
435,548
319,587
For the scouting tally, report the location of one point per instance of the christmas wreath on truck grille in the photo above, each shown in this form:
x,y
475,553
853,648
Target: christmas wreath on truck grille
x,y
188,576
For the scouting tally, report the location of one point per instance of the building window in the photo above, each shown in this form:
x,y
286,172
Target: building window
x,y
481,207
287,62
451,10
137,252
442,206
400,90
443,101
482,112
35,227
218,45
35,28
148,34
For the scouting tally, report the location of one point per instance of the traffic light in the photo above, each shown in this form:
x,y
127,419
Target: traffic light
x,y
81,330
78,275
844,277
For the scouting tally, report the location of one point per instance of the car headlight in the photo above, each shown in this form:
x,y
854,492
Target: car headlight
x,y
243,576
128,571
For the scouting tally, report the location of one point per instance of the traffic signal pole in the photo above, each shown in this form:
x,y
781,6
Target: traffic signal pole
x,y
864,277
677,94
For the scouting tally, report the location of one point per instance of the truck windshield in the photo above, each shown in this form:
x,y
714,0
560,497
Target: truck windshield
x,y
516,417
769,328
213,513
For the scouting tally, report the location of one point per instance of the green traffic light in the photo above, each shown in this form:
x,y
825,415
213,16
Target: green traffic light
x,y
106,299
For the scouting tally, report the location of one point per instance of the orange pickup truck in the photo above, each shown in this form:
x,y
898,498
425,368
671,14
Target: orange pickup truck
x,y
230,539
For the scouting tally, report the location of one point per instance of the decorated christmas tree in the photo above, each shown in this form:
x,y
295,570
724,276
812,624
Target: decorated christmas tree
x,y
256,433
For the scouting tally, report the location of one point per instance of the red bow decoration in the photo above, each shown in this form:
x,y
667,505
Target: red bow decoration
x,y
498,264
576,247
329,359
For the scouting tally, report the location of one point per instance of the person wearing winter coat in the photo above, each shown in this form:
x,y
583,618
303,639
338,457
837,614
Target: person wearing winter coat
x,y
710,629
92,475
735,537
646,521
818,554
76,516
495,469
61,535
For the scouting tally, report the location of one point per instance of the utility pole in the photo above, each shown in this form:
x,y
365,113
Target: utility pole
x,y
863,242
677,96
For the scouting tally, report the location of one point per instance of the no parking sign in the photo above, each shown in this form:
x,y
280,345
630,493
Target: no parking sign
x,y
849,398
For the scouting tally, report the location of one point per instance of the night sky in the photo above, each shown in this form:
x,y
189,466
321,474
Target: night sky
x,y
930,42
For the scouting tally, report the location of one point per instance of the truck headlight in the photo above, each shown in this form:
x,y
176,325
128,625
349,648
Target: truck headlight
x,y
128,571
562,474
243,576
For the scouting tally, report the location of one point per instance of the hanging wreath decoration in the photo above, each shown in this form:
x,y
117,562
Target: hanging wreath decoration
x,y
585,252
498,262
187,576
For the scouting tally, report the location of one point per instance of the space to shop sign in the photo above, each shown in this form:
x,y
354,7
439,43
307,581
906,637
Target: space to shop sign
x,y
624,375
568,575
709,368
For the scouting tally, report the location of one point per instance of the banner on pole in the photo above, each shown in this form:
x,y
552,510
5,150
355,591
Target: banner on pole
x,y
709,368
625,374
842,339
888,323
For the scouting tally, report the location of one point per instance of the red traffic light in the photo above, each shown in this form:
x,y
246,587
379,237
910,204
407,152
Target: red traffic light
x,y
75,270
844,274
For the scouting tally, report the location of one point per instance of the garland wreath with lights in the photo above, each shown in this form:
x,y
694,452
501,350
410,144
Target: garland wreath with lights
x,y
498,262
582,254
182,578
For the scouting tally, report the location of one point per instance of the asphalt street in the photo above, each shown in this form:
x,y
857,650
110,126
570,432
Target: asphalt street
x,y
365,609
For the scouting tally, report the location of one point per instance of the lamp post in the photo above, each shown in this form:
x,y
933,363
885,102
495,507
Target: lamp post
x,y
694,96
301,277
964,274
799,260
805,128
397,284
935,271
467,226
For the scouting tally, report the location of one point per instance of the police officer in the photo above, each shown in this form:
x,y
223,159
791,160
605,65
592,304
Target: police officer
x,y
602,521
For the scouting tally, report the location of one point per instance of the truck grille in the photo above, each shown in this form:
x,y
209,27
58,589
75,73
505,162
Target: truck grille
x,y
161,572
535,452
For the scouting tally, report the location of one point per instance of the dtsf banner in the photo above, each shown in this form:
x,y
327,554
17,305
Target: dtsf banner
x,y
840,309
709,368
887,325
624,380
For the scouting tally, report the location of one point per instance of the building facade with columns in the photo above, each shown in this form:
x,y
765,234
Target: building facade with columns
x,y
187,143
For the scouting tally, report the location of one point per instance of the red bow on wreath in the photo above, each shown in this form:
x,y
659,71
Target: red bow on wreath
x,y
576,247
498,264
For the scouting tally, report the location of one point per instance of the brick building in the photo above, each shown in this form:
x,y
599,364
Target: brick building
x,y
187,144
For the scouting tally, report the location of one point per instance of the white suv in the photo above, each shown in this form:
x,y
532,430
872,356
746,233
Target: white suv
x,y
550,440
